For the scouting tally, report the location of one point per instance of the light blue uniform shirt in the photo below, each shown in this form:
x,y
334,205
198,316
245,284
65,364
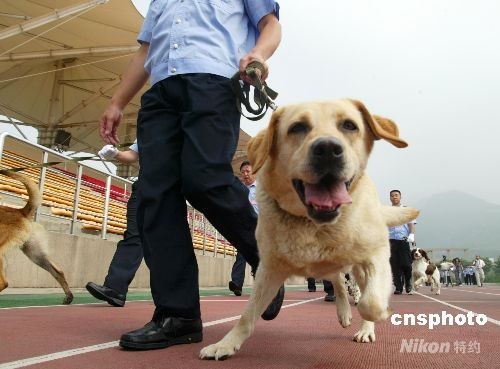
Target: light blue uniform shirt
x,y
252,196
400,232
200,36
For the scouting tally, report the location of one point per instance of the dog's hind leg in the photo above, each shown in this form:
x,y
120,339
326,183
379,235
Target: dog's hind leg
x,y
34,250
267,284
3,281
342,302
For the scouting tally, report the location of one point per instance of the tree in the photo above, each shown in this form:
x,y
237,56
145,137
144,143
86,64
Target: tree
x,y
496,267
488,265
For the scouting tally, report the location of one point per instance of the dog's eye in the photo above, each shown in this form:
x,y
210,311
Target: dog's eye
x,y
299,127
349,125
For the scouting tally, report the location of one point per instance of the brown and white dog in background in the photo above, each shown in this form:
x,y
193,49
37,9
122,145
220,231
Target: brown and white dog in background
x,y
424,271
319,212
18,229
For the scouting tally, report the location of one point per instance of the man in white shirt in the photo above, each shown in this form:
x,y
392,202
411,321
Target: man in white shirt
x,y
478,270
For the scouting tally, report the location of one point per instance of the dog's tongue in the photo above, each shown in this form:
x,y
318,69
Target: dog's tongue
x,y
326,197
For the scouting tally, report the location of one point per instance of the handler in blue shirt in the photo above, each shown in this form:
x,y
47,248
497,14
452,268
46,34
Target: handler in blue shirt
x,y
188,129
400,238
238,270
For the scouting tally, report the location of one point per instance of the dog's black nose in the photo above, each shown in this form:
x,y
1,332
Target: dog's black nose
x,y
327,148
327,156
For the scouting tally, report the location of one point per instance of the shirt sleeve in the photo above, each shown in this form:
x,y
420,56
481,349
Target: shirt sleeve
x,y
147,27
134,147
256,10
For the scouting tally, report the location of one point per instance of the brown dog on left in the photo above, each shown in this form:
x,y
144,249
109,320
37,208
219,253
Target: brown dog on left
x,y
18,229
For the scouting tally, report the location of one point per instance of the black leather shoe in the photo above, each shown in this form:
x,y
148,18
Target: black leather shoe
x,y
106,294
274,307
163,333
330,297
234,288
398,292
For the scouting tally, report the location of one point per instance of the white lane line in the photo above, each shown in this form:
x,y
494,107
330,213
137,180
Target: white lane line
x,y
240,300
203,299
103,346
57,355
491,320
49,306
484,293
431,302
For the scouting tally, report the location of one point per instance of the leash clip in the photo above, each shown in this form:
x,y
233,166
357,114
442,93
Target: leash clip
x,y
269,101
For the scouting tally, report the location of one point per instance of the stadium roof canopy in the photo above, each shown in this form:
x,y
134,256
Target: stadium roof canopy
x,y
61,61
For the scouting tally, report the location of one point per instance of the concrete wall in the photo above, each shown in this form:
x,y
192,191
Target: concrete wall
x,y
86,259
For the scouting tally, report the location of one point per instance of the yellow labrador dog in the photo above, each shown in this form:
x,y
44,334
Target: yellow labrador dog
x,y
17,229
319,213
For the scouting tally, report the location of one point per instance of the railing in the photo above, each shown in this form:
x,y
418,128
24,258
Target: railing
x,y
85,183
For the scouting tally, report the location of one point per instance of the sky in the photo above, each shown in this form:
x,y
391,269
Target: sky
x,y
432,66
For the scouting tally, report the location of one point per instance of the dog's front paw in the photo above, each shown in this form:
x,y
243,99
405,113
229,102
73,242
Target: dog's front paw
x,y
344,312
345,319
218,351
366,333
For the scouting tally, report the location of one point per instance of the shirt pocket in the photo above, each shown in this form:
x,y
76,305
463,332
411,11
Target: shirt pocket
x,y
224,5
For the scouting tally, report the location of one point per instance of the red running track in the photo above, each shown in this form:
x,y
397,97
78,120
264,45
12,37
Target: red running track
x,y
305,335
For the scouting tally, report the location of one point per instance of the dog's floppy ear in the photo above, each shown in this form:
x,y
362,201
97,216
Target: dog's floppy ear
x,y
381,127
261,146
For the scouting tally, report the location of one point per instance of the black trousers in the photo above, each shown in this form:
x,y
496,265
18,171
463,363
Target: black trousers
x,y
188,130
128,254
400,261
238,270
327,285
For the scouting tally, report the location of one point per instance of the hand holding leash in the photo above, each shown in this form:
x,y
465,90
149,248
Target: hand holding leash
x,y
263,95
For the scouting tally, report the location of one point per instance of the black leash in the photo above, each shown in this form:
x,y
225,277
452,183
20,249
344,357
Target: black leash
x,y
263,95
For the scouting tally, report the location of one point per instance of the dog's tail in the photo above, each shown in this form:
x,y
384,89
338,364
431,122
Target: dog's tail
x,y
34,197
398,215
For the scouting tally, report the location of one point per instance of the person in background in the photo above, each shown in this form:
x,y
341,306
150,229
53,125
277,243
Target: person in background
x,y
468,272
128,255
238,270
400,238
479,264
459,271
327,287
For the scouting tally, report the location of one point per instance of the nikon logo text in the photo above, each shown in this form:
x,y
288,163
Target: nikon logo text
x,y
419,346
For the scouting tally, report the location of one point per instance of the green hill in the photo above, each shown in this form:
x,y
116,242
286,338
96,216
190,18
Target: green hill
x,y
459,220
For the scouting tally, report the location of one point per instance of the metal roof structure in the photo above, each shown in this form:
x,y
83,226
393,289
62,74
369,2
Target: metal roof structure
x,y
60,63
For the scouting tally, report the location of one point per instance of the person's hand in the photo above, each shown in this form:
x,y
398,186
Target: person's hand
x,y
109,122
411,238
247,59
108,152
